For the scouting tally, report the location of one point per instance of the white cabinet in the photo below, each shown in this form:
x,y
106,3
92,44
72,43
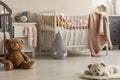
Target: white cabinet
x,y
18,29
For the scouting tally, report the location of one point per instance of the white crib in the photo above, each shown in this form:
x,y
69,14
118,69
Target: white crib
x,y
73,29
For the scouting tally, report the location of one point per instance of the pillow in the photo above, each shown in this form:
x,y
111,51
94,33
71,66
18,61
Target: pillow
x,y
59,51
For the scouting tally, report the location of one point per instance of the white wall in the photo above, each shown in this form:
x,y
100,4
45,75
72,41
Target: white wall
x,y
64,6
81,7
98,2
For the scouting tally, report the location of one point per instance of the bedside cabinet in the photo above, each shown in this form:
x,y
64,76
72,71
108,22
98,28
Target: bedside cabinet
x,y
18,29
115,29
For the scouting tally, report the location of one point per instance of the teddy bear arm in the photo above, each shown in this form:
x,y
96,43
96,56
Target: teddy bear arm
x,y
87,72
106,74
4,58
25,56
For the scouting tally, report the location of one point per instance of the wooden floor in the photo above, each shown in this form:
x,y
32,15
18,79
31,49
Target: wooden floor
x,y
66,69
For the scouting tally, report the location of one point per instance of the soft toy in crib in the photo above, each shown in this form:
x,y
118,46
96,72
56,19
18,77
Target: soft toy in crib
x,y
15,58
101,71
61,22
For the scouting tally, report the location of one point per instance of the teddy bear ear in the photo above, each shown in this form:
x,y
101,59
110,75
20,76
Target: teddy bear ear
x,y
89,66
22,41
7,41
103,64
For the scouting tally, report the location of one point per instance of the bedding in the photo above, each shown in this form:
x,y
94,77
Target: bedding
x,y
73,37
73,30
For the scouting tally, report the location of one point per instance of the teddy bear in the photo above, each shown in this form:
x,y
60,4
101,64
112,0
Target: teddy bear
x,y
101,69
15,58
62,22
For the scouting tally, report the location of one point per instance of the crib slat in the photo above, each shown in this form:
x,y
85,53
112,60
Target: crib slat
x,y
70,23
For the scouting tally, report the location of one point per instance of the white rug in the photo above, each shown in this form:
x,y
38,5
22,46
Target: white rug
x,y
112,77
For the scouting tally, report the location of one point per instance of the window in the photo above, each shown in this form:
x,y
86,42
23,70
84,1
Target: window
x,y
117,8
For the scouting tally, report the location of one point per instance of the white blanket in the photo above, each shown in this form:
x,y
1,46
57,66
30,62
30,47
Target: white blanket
x,y
113,77
7,36
75,37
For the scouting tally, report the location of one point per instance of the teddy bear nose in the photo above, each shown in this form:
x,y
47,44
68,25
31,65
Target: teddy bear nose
x,y
14,43
97,74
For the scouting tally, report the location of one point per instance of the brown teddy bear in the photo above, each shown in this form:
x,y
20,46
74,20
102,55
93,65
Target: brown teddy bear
x,y
15,58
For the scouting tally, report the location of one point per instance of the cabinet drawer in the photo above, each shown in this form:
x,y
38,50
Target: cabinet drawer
x,y
114,20
114,31
19,31
115,39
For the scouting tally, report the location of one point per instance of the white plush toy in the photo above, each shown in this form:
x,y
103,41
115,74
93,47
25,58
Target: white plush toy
x,y
24,19
101,71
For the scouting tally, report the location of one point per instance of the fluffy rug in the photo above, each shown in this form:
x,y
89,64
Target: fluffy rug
x,y
115,76
109,72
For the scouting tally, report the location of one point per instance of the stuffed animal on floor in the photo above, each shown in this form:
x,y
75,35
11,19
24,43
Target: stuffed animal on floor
x,y
15,58
58,50
101,71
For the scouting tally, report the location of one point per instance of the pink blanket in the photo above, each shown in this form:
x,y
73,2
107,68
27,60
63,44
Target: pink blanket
x,y
99,34
31,33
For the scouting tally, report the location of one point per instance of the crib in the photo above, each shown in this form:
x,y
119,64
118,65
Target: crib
x,y
73,29
5,25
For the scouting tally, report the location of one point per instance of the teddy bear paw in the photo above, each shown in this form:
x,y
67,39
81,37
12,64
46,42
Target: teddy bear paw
x,y
29,65
8,65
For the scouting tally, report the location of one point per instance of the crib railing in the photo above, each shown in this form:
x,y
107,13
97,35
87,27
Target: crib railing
x,y
67,21
50,23
5,25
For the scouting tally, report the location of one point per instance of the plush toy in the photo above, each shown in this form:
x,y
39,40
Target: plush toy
x,y
24,18
58,50
101,71
15,58
61,22
17,18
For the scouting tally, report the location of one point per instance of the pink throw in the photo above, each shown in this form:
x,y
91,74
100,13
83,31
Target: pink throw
x,y
99,34
31,33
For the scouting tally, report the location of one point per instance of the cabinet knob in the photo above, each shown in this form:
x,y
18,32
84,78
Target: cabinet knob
x,y
114,40
114,31
114,22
